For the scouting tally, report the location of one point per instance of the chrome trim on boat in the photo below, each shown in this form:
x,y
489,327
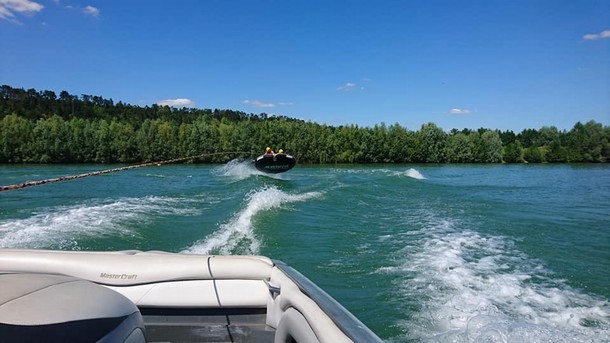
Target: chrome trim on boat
x,y
274,290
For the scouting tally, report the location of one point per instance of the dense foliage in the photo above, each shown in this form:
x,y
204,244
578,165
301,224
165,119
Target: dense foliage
x,y
41,127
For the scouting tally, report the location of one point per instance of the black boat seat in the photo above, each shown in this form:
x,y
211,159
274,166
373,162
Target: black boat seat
x,y
55,308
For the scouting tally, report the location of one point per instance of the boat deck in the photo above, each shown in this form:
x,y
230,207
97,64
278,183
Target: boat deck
x,y
164,297
207,325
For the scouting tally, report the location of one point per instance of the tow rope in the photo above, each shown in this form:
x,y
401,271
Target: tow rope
x,y
107,171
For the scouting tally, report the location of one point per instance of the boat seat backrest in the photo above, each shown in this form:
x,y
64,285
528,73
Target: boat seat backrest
x,y
53,308
135,267
156,279
291,307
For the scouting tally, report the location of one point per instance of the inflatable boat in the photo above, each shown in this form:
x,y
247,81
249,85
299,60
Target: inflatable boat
x,y
274,163
134,296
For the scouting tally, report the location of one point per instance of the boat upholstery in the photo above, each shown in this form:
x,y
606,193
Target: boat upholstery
x,y
199,294
292,298
131,267
293,327
166,280
156,279
54,308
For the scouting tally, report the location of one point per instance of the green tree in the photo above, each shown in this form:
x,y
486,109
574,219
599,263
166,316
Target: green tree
x,y
123,147
433,142
397,144
50,143
82,143
588,143
546,136
487,146
534,155
513,153
492,146
15,139
459,148
103,141
39,126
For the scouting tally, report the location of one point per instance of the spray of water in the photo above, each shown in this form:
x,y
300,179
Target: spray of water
x,y
239,169
55,225
476,288
238,235
413,173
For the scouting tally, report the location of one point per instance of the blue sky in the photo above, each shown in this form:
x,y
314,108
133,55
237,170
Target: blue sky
x,y
496,64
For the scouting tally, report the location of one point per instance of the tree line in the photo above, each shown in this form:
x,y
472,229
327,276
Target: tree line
x,y
41,127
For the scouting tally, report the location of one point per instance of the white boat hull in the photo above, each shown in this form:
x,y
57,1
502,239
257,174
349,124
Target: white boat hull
x,y
199,297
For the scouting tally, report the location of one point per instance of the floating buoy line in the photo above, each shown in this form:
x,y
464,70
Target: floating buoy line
x,y
108,171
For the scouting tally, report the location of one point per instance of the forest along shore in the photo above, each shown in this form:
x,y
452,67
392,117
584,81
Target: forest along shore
x,y
43,127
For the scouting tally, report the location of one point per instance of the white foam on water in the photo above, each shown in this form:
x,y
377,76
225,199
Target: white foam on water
x,y
241,169
160,176
475,288
363,171
237,169
238,236
63,225
413,173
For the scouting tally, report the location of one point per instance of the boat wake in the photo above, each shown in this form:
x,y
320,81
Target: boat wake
x,y
239,169
413,173
61,227
479,288
238,236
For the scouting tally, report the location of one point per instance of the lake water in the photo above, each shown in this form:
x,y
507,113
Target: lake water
x,y
419,253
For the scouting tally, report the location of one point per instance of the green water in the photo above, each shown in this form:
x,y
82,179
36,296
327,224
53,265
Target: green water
x,y
418,253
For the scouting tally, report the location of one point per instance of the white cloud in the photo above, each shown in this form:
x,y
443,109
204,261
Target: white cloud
x,y
459,111
594,36
261,104
92,11
176,103
258,103
347,87
8,8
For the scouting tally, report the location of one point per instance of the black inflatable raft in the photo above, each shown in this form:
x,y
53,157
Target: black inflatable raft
x,y
276,163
